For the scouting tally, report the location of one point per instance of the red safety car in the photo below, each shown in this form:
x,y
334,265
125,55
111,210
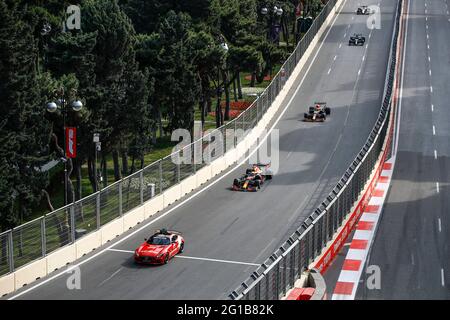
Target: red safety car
x,y
160,247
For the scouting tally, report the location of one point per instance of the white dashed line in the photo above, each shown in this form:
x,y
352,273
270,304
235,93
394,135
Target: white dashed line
x,y
367,45
431,89
432,108
335,57
329,70
429,71
428,37
437,187
359,72
434,131
364,58
345,35
439,225
429,59
435,157
340,45
442,277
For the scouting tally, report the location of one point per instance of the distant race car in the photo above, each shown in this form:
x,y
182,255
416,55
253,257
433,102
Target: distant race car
x,y
357,40
317,113
365,10
160,247
253,178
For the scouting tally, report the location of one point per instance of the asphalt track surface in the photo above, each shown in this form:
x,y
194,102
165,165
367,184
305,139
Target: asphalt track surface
x,y
412,242
243,229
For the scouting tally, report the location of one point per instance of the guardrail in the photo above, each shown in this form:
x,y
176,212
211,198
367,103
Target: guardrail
x,y
62,227
279,272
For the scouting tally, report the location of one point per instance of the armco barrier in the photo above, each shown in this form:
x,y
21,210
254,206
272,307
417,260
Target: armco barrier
x,y
150,189
279,272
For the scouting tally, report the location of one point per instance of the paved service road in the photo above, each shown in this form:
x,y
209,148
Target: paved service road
x,y
412,242
243,229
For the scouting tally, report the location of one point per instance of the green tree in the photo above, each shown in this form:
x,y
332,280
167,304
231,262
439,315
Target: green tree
x,y
24,131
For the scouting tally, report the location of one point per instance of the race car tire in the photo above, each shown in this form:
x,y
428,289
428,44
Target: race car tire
x,y
327,111
166,259
181,248
258,184
305,115
268,176
248,171
311,110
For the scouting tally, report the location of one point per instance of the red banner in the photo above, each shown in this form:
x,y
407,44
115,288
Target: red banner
x,y
71,142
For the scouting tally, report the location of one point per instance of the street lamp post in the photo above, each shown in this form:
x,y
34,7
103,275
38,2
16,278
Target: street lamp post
x,y
52,107
224,47
273,33
98,148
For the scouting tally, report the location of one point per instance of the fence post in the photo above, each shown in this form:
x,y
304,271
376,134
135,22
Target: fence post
x,y
97,209
160,177
72,222
11,251
43,237
120,198
141,190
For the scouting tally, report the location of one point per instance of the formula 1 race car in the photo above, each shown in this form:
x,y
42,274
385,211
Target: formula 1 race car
x,y
365,10
253,178
160,247
317,113
357,40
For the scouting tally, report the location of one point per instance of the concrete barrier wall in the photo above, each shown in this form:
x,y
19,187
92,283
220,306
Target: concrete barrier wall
x,y
133,217
203,175
171,195
188,184
29,273
61,257
88,243
7,284
112,230
153,206
217,166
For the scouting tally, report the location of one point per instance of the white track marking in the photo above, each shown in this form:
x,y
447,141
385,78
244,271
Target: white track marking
x,y
218,260
119,250
432,108
110,277
340,45
437,187
435,154
400,100
434,130
200,191
439,225
335,57
431,89
329,70
442,277
198,258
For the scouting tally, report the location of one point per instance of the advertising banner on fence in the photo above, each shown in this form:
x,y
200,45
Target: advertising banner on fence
x,y
71,142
